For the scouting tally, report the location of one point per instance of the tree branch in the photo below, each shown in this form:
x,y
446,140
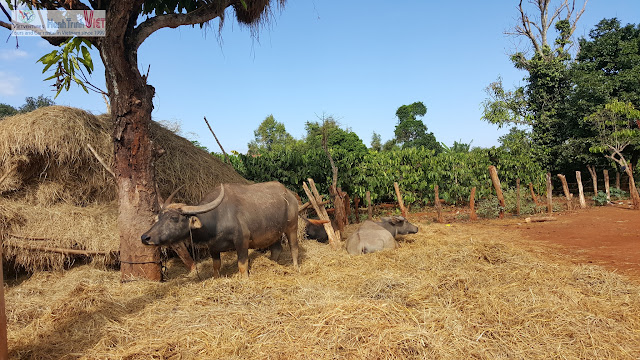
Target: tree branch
x,y
5,25
200,15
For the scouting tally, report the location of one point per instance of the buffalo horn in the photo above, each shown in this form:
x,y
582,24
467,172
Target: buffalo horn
x,y
170,198
199,209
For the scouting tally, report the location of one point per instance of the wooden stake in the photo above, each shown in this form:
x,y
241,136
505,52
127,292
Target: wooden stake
x,y
369,208
583,203
472,205
496,185
594,178
313,196
534,197
606,183
567,194
540,219
356,205
399,197
438,205
100,160
549,195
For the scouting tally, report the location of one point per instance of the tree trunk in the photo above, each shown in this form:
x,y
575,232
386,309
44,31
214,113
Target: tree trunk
x,y
356,205
369,207
438,204
533,194
633,191
583,203
617,179
567,194
605,172
131,106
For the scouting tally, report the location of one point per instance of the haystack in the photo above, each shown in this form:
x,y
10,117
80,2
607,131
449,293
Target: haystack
x,y
55,195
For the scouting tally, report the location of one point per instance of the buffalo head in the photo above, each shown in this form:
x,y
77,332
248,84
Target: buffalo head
x,y
176,220
398,225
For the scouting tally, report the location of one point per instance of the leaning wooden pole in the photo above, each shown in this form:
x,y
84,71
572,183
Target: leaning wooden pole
x,y
533,195
314,199
594,178
605,172
549,195
399,197
472,205
496,185
226,157
565,188
438,204
583,203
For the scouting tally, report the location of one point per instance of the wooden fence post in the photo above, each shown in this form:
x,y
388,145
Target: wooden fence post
x,y
567,194
594,178
496,185
549,199
583,203
518,197
533,195
438,204
472,204
606,183
369,208
399,197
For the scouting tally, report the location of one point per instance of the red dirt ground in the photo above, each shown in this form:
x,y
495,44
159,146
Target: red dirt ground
x,y
607,235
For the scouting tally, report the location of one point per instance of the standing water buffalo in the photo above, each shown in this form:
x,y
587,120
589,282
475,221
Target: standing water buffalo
x,y
376,236
233,217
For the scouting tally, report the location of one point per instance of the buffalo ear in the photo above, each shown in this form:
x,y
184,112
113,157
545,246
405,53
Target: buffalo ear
x,y
194,222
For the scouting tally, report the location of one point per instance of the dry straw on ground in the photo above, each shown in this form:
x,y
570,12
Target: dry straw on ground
x,y
54,193
447,293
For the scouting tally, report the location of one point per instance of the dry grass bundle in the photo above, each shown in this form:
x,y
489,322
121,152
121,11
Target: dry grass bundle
x,y
446,293
53,187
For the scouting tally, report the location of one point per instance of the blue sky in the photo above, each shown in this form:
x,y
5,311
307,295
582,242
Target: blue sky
x,y
358,61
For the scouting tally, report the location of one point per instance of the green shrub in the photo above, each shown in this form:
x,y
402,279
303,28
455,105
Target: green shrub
x,y
600,199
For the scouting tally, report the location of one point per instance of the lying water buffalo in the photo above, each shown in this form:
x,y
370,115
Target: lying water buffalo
x,y
376,236
233,217
315,229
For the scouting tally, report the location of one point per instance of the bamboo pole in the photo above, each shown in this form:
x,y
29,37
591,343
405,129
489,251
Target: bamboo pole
x,y
496,185
583,203
472,205
438,204
399,197
567,194
549,195
369,208
606,184
518,197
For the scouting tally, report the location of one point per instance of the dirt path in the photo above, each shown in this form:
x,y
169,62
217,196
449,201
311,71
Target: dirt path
x,y
609,236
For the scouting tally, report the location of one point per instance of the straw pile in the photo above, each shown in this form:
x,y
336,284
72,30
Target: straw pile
x,y
446,293
55,194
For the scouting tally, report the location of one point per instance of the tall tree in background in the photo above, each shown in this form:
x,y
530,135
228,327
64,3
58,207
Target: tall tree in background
x,y
128,24
376,142
30,104
411,131
271,135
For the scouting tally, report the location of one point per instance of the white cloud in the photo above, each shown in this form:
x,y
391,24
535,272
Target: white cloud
x,y
11,54
9,84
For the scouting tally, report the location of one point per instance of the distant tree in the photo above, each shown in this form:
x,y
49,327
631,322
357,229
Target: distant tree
x,y
376,142
31,103
7,110
271,135
337,138
458,147
411,131
618,128
390,145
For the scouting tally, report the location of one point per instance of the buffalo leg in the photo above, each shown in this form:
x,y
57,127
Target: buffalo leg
x,y
217,262
276,249
292,236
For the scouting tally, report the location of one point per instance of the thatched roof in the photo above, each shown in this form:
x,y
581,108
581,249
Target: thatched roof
x,y
52,187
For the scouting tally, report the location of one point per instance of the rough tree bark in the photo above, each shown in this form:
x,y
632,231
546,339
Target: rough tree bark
x,y
583,203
